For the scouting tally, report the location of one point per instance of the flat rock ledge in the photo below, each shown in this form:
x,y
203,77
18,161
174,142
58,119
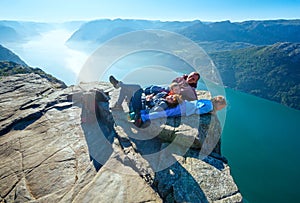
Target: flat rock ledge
x,y
59,145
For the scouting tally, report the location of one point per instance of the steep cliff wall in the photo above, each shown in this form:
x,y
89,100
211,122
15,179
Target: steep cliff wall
x,y
59,145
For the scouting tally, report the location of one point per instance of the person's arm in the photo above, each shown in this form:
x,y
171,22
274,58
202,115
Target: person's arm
x,y
178,79
161,105
177,111
153,89
149,97
160,95
155,100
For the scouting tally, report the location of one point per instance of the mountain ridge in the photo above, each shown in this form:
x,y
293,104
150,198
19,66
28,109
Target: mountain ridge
x,y
8,68
8,55
255,32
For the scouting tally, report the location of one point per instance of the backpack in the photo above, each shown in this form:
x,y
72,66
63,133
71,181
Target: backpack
x,y
94,106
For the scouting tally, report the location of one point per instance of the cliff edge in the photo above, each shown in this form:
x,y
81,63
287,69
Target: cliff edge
x,y
65,144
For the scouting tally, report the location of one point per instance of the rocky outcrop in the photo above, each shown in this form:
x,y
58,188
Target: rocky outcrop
x,y
58,145
11,68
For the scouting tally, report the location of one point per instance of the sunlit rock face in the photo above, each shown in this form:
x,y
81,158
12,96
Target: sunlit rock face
x,y
61,144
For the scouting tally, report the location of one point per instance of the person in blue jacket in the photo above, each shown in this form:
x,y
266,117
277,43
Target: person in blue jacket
x,y
188,108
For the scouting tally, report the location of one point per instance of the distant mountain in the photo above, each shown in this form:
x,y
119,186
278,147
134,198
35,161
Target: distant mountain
x,y
255,32
96,32
271,72
18,31
71,25
7,55
102,30
8,34
12,68
251,32
22,31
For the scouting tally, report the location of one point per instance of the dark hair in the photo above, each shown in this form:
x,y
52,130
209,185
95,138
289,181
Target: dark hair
x,y
196,73
194,84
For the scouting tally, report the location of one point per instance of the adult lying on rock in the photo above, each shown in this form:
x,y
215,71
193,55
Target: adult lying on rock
x,y
154,97
187,84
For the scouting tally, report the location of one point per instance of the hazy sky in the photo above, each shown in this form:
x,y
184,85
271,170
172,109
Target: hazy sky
x,y
204,10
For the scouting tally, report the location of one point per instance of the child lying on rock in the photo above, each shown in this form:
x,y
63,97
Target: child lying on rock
x,y
187,108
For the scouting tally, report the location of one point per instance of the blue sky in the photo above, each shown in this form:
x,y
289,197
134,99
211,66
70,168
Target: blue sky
x,y
204,10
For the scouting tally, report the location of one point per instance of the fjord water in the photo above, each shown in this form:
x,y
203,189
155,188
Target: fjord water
x,y
261,141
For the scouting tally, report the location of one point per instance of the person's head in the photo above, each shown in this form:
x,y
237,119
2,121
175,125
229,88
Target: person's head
x,y
175,88
219,102
174,100
193,78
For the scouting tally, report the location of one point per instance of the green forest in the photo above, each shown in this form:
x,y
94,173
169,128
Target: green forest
x,y
271,72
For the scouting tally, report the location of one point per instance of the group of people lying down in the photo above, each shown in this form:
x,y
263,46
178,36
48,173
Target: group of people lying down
x,y
180,98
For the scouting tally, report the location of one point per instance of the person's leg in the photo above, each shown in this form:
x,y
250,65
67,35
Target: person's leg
x,y
132,92
126,91
136,101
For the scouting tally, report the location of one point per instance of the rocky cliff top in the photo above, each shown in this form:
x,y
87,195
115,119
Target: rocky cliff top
x,y
59,145
9,68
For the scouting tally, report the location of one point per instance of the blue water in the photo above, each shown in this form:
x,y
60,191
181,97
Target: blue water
x,y
261,141
260,138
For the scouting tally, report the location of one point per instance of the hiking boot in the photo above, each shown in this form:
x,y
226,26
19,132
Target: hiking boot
x,y
138,122
114,81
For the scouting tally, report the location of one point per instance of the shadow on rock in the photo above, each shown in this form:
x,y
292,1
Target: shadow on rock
x,y
97,124
172,180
